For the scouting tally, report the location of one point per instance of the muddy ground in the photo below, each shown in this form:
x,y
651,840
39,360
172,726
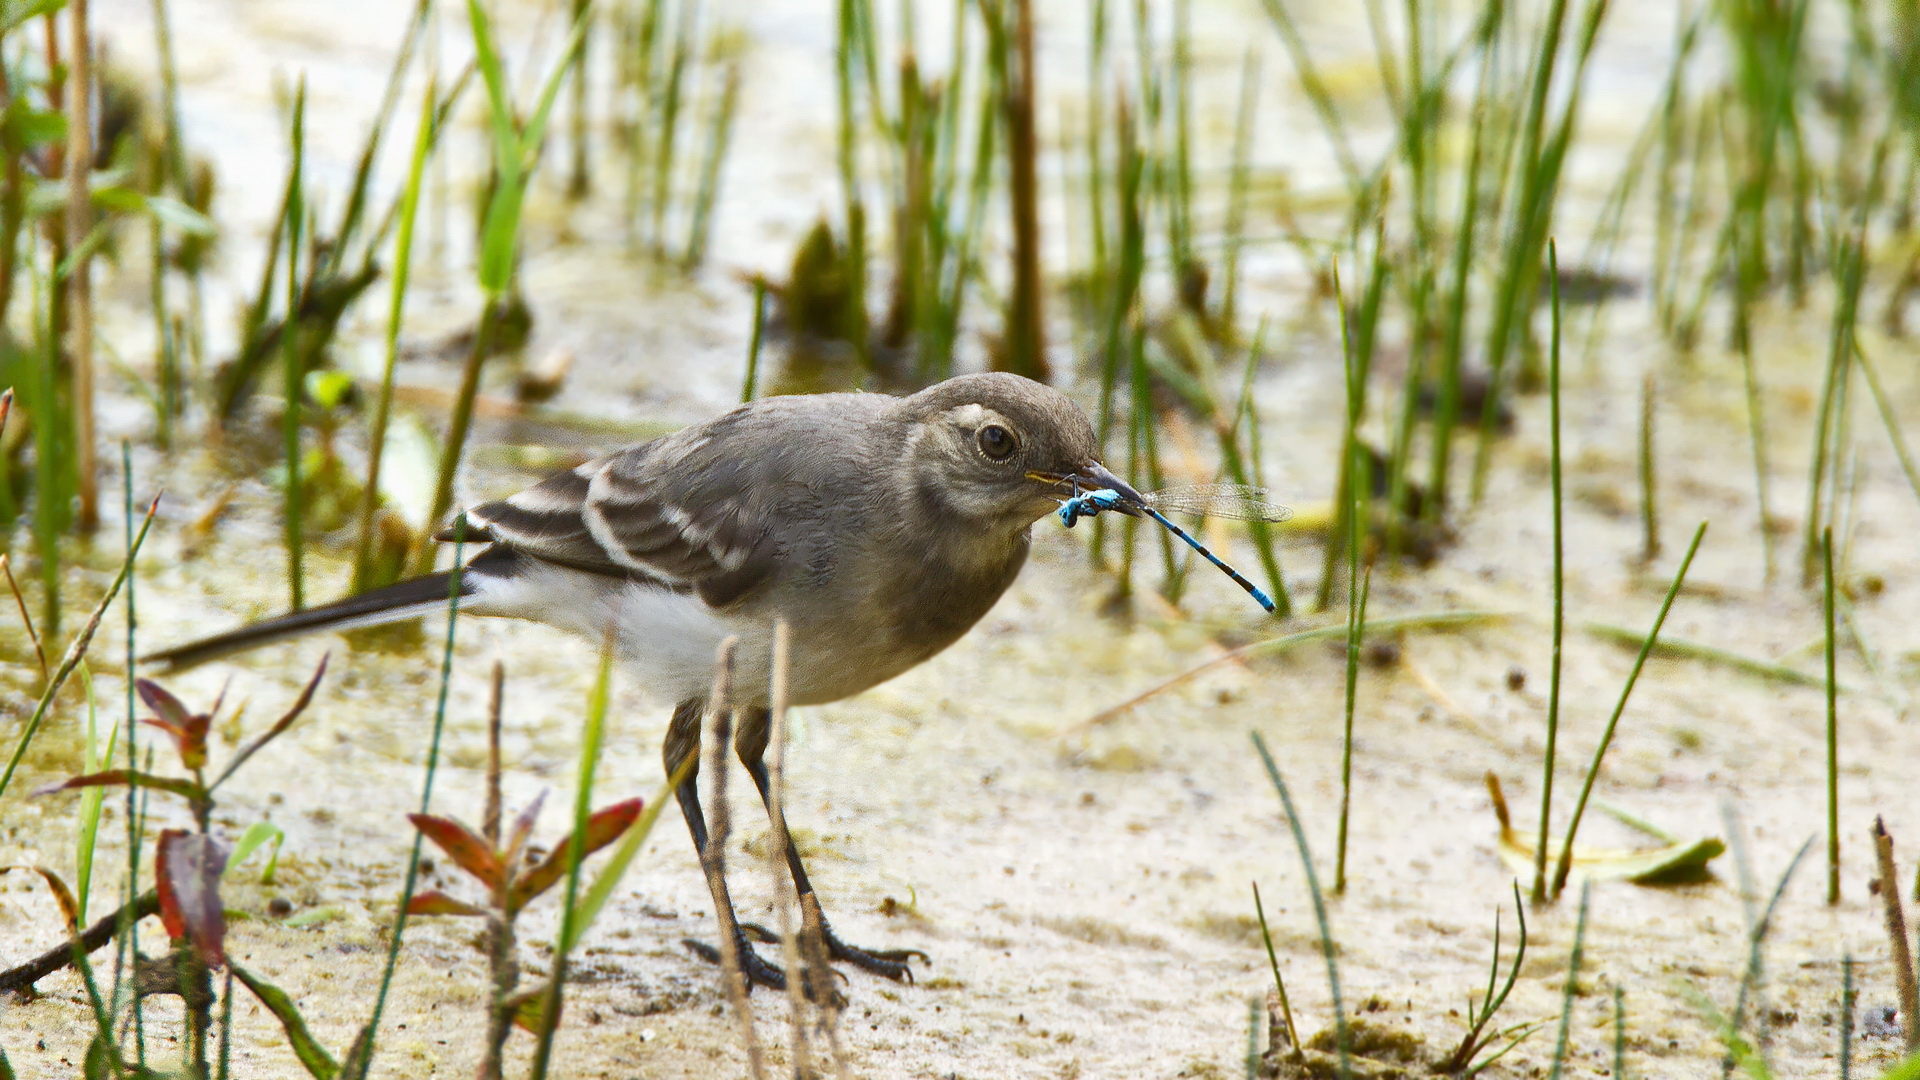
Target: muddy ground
x,y
1083,891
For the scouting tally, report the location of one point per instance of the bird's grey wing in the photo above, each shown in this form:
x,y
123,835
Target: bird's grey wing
x,y
677,511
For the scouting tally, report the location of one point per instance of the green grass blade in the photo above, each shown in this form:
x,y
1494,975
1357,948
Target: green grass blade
x,y
1319,906
1833,733
1559,593
76,652
293,382
1565,863
1561,1043
424,139
360,1057
568,935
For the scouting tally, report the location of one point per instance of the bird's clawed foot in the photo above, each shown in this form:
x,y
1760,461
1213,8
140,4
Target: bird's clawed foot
x,y
887,963
890,963
757,970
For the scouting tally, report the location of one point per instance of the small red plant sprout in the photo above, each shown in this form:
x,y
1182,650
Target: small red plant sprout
x,y
500,870
188,865
187,728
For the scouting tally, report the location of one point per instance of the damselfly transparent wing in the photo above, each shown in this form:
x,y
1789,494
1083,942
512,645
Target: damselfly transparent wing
x,y
1235,502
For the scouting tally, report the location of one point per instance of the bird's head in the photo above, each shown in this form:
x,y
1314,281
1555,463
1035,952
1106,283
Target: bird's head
x,y
998,449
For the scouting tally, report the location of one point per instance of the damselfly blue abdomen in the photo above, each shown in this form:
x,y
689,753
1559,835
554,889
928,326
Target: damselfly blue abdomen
x,y
1235,501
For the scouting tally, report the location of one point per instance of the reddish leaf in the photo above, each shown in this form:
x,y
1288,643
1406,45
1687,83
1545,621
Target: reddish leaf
x,y
279,726
188,868
603,828
463,846
189,739
188,729
172,712
439,903
186,789
170,916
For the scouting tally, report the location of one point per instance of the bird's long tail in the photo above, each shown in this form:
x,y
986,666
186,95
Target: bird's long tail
x,y
395,603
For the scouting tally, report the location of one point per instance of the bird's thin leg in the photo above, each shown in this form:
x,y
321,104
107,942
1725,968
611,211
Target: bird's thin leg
x,y
751,744
682,743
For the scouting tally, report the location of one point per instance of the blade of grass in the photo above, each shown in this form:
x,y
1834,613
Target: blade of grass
x,y
1681,648
1234,462
292,377
1542,155
360,1056
1391,625
1757,435
52,458
76,652
1279,984
1315,87
1356,628
1846,1017
128,932
1850,271
1341,1039
226,1025
752,382
1833,732
1887,417
79,109
26,620
1649,501
1559,592
1238,179
707,190
623,858
424,139
515,152
568,936
1026,327
1619,1033
1757,929
1565,862
175,156
1573,981
91,800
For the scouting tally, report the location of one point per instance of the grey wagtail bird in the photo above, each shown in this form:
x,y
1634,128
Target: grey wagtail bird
x,y
880,529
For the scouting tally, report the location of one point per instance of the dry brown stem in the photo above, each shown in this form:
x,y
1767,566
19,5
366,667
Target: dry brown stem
x,y
1899,952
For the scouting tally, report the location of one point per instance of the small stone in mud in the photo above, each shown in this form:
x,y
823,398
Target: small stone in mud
x,y
279,907
1516,678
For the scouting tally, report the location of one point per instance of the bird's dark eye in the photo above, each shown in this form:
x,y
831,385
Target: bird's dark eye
x,y
997,442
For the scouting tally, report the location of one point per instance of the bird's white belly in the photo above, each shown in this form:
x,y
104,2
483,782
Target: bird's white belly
x,y
669,640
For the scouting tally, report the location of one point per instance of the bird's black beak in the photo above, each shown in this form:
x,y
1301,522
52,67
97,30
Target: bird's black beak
x,y
1094,476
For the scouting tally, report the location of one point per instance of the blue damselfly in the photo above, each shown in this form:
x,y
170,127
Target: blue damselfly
x,y
1237,502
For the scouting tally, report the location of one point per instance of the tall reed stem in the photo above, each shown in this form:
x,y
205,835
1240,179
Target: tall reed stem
x,y
80,276
423,141
1559,589
292,381
1833,732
